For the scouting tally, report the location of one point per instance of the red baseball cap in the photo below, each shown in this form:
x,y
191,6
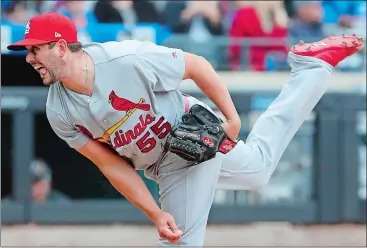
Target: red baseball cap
x,y
45,28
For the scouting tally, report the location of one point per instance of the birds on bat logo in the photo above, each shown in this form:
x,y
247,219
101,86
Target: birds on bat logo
x,y
122,104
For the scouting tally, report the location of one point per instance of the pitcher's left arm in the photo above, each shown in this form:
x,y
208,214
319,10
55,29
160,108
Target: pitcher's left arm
x,y
165,68
206,78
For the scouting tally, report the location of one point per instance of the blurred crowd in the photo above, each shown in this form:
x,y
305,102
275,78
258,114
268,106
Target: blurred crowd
x,y
280,22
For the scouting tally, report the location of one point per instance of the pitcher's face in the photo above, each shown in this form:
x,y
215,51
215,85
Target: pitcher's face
x,y
46,61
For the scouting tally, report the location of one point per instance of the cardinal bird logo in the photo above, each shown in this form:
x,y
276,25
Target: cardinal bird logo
x,y
122,104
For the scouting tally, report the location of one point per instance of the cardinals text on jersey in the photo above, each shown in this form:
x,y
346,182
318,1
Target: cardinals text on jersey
x,y
118,138
145,133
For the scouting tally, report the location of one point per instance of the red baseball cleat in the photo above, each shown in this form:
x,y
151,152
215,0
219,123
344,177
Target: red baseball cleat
x,y
332,50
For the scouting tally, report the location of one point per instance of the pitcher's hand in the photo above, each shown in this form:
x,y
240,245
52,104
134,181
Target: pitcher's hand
x,y
232,128
167,228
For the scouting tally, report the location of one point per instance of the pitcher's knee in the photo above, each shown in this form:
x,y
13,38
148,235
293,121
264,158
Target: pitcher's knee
x,y
244,181
259,181
265,167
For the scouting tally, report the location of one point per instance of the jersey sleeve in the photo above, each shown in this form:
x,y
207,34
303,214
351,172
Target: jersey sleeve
x,y
166,65
74,138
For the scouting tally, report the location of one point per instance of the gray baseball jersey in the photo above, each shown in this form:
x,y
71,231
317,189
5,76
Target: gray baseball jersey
x,y
134,104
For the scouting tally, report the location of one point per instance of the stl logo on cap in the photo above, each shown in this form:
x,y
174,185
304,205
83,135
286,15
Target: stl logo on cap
x,y
64,27
27,27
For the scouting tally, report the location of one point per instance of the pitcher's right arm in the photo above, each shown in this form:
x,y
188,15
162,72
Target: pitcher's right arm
x,y
120,174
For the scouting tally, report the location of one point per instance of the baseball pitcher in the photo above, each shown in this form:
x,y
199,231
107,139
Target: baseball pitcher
x,y
125,95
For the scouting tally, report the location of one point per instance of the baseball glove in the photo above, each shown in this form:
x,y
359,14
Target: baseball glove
x,y
199,137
